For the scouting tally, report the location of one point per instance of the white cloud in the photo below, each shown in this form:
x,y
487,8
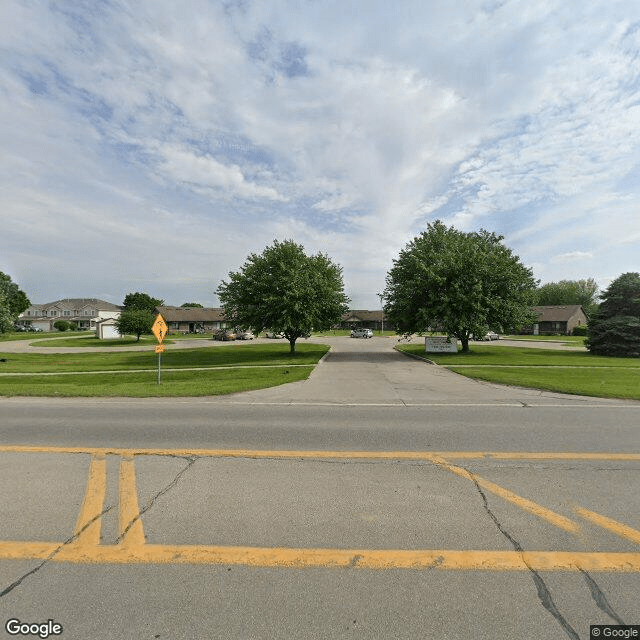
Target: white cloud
x,y
573,256
185,166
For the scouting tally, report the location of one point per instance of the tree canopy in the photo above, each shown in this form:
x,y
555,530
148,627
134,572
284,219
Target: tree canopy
x,y
13,301
285,290
614,330
16,299
135,322
461,283
6,318
141,301
195,305
584,292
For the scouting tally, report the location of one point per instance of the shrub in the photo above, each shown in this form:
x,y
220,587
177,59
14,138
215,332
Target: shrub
x,y
61,325
580,330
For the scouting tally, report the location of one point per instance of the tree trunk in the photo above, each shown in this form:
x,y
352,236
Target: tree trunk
x,y
465,345
292,346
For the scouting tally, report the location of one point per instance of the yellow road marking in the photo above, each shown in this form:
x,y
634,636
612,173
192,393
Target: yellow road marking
x,y
377,559
527,505
133,549
130,523
323,454
92,504
622,530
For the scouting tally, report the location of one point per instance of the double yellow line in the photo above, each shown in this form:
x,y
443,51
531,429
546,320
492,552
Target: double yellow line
x,y
85,546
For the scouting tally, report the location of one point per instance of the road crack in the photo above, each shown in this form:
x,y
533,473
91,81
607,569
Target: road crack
x,y
600,599
54,553
544,595
191,461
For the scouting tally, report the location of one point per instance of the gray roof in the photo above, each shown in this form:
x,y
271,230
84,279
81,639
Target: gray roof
x,y
191,314
557,313
80,303
363,315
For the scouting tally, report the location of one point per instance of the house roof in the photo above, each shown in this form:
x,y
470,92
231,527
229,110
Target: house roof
x,y
363,315
557,313
191,314
80,303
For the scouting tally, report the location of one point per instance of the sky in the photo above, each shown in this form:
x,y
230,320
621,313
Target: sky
x,y
152,145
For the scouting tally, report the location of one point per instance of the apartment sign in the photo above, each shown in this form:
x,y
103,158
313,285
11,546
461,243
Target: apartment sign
x,y
440,344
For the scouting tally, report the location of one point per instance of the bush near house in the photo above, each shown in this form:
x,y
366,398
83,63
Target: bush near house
x,y
61,325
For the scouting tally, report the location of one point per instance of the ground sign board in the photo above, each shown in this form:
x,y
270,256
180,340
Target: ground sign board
x,y
440,344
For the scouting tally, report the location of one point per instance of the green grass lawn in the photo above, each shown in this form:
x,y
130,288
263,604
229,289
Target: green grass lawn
x,y
573,341
265,366
564,371
91,341
617,382
39,335
210,382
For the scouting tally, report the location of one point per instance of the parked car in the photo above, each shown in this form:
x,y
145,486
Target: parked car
x,y
273,334
487,337
362,333
224,334
244,335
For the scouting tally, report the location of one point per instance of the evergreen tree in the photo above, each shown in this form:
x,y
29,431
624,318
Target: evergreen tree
x,y
614,330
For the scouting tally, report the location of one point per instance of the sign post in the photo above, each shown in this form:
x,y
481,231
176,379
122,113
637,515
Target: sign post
x,y
160,330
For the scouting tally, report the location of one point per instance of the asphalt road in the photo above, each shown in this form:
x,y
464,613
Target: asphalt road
x,y
381,498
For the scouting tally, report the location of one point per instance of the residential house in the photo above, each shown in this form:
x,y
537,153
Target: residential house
x,y
363,319
192,319
84,312
557,319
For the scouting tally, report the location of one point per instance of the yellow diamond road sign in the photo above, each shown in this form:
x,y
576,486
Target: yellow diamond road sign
x,y
160,328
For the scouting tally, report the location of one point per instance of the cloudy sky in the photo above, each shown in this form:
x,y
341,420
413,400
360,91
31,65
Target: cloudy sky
x,y
151,145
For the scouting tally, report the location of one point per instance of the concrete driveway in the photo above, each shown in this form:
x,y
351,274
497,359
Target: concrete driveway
x,y
371,371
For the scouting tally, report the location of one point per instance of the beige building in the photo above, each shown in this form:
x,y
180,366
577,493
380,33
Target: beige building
x,y
85,312
192,319
558,319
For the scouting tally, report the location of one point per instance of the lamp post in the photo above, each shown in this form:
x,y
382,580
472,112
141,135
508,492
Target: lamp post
x,y
381,315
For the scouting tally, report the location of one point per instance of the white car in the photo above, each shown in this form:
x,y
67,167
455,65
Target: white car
x,y
244,335
488,337
362,333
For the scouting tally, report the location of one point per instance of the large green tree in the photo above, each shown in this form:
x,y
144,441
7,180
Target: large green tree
x,y
135,322
6,317
15,300
285,290
584,292
141,301
614,330
461,283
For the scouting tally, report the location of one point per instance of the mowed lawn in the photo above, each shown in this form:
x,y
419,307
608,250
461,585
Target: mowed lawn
x,y
184,372
572,372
